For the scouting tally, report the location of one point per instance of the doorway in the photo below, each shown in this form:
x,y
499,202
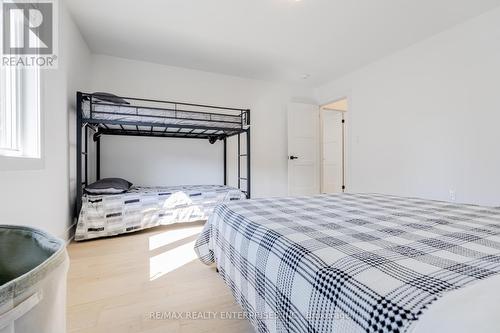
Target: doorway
x,y
332,146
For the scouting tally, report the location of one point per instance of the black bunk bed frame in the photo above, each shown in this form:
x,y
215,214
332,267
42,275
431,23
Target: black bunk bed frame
x,y
189,122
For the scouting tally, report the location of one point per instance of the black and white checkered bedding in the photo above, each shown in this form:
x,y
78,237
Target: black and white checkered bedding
x,y
146,207
350,262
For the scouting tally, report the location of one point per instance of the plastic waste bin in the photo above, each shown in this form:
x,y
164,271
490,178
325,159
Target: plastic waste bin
x,y
33,269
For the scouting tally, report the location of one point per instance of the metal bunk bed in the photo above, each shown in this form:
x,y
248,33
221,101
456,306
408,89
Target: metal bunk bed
x,y
156,118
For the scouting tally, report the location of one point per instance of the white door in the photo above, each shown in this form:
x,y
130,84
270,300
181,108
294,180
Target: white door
x,y
331,151
303,149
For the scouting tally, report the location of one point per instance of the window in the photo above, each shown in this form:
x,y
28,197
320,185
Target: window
x,y
19,112
19,106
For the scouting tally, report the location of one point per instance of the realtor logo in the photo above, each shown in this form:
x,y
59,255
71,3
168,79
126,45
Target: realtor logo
x,y
29,33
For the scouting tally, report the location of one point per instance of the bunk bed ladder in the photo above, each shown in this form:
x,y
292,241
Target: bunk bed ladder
x,y
246,156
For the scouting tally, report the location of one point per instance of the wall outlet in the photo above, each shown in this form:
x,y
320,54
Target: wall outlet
x,y
453,195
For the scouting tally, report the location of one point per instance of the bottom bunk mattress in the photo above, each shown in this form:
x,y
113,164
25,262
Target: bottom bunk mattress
x,y
349,262
146,207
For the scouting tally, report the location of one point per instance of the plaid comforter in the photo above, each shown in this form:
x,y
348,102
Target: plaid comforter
x,y
146,207
350,262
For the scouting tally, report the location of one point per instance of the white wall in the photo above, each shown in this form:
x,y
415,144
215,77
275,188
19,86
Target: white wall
x,y
41,197
267,102
166,161
426,120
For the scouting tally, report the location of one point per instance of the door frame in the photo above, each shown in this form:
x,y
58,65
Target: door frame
x,y
347,140
322,146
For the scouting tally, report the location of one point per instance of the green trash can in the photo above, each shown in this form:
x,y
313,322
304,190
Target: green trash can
x,y
33,270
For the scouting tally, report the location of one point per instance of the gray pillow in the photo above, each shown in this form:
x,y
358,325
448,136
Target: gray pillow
x,y
107,97
108,186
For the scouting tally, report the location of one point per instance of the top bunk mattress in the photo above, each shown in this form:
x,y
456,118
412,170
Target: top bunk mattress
x,y
144,207
115,115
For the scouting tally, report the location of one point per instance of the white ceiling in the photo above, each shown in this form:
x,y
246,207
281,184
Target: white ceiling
x,y
278,40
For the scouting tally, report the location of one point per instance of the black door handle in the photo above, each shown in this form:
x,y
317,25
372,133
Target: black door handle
x,y
293,157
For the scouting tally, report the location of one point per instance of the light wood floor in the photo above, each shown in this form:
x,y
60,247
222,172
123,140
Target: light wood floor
x,y
114,284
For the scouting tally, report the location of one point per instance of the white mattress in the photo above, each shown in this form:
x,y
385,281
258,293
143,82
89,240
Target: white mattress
x,y
132,114
475,308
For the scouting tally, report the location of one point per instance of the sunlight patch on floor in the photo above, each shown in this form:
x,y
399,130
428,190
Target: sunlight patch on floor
x,y
172,236
171,260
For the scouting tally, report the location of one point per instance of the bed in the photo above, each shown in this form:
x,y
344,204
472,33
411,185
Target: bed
x,y
129,116
145,207
102,114
354,262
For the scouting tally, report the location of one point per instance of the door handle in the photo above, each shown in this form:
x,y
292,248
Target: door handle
x,y
293,157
